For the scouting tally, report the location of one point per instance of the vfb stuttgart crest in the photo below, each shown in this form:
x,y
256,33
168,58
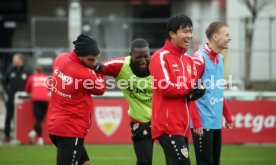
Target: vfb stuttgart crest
x,y
108,118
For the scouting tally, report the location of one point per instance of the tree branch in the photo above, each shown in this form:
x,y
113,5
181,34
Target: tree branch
x,y
255,6
262,4
247,4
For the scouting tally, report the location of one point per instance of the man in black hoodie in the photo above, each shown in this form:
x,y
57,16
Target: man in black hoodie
x,y
14,81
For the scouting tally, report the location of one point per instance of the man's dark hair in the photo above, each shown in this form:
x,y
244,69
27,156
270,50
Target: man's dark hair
x,y
177,22
214,27
139,43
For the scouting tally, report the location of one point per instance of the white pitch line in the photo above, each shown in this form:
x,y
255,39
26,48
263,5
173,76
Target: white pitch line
x,y
250,159
117,158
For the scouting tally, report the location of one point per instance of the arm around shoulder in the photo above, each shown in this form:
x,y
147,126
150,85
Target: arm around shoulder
x,y
113,67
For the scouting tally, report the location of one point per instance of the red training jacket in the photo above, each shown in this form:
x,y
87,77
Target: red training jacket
x,y
172,71
36,87
71,105
113,67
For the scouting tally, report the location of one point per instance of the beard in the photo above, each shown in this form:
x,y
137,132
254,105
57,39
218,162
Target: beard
x,y
140,73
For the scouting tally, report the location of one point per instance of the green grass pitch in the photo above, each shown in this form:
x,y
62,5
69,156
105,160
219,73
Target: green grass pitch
x,y
115,154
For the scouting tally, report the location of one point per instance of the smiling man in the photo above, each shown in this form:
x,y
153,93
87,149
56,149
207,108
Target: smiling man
x,y
172,70
134,71
212,106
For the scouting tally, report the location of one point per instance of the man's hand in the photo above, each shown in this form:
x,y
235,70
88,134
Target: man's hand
x,y
99,67
197,92
229,125
198,131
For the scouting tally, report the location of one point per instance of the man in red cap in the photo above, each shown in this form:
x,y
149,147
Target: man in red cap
x,y
74,79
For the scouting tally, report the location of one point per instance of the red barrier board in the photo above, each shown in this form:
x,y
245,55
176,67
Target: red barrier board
x,y
110,122
24,122
254,122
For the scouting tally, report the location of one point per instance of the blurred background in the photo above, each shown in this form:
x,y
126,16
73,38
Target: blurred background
x,y
40,30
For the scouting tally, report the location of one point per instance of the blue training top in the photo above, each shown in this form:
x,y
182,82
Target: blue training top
x,y
210,106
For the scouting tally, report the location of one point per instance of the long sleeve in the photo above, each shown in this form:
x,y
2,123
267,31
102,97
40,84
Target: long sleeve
x,y
227,113
113,67
100,85
194,114
161,79
199,64
192,104
28,85
95,83
6,80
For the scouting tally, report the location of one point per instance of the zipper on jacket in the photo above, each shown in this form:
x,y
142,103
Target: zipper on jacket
x,y
167,116
188,116
187,108
183,73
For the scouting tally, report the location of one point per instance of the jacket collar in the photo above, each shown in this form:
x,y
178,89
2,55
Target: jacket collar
x,y
209,51
173,49
73,56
